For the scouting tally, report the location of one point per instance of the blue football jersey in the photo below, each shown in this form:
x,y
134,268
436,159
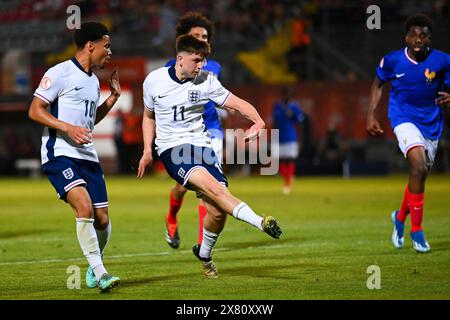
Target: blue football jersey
x,y
285,122
210,115
415,86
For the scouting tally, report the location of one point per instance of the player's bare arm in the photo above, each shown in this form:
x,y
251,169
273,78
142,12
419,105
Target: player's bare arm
x,y
148,132
38,113
248,111
444,99
372,124
114,86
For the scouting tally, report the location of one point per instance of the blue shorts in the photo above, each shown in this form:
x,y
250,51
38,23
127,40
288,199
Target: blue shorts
x,y
66,173
184,159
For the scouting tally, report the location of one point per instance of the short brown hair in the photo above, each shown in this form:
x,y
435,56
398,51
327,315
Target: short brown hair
x,y
190,44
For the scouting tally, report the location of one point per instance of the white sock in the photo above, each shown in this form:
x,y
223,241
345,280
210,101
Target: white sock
x,y
103,236
243,212
208,242
89,245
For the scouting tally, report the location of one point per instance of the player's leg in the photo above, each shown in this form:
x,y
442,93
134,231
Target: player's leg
x,y
202,212
288,152
217,146
176,200
96,187
413,146
81,204
205,183
418,172
213,225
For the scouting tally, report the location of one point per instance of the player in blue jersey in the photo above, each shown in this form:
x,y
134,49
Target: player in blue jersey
x,y
286,115
420,78
66,103
198,26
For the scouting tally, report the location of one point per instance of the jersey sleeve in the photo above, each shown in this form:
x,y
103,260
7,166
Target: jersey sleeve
x,y
217,92
298,113
148,99
51,86
385,70
447,73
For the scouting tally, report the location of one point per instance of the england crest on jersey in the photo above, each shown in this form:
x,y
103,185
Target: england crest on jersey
x,y
68,173
194,96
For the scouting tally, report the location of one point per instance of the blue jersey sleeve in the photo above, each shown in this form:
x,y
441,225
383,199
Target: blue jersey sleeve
x,y
447,73
298,113
385,70
170,63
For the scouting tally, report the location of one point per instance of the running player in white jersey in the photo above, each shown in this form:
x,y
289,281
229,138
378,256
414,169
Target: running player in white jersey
x,y
67,104
174,99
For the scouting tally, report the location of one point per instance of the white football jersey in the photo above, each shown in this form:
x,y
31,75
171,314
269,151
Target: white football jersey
x,y
72,95
179,106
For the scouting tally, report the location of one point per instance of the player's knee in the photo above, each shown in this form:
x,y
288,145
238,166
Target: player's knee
x,y
216,192
84,210
101,218
419,171
179,191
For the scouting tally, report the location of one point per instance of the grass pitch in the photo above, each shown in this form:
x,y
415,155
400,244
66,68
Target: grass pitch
x,y
333,230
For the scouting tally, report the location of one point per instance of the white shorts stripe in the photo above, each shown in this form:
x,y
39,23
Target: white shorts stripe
x,y
100,205
188,174
413,146
74,184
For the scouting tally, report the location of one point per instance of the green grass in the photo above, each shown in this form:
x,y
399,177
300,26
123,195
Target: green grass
x,y
333,230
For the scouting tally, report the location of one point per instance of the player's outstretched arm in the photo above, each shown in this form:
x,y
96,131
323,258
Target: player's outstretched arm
x,y
39,114
248,111
372,124
148,133
114,86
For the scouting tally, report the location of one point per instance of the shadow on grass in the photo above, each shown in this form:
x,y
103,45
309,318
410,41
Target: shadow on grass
x,y
21,233
263,271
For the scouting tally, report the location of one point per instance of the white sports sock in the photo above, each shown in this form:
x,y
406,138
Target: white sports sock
x,y
243,212
103,236
89,245
208,242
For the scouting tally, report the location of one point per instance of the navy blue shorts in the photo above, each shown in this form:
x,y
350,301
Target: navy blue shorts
x,y
184,159
66,173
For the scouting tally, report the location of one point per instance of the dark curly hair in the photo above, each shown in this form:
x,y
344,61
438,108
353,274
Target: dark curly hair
x,y
420,20
194,19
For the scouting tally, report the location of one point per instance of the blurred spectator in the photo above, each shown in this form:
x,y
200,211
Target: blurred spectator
x,y
118,141
167,19
332,153
300,40
132,139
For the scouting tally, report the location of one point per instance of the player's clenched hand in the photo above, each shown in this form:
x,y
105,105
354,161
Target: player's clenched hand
x,y
114,83
254,131
146,160
373,126
79,135
443,100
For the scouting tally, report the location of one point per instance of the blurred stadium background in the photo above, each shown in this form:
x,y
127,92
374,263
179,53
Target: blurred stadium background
x,y
323,48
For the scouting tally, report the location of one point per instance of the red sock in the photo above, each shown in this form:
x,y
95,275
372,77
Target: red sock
x,y
201,215
173,209
283,169
404,209
416,210
291,172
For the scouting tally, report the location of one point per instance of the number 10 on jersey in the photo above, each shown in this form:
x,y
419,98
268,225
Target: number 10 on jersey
x,y
90,108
